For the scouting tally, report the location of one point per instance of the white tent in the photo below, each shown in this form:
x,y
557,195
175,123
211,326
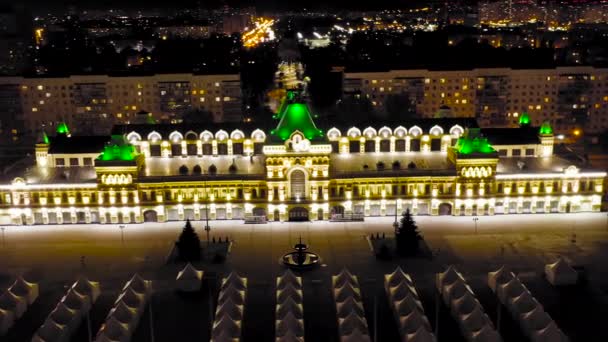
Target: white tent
x,y
455,290
113,330
11,302
344,277
511,289
66,317
126,315
230,309
7,319
289,292
289,278
356,336
235,281
560,273
412,322
406,305
421,335
289,337
474,321
289,324
464,305
396,278
76,301
226,326
51,331
402,290
534,320
87,287
131,298
237,296
349,305
189,279
499,277
139,285
486,334
449,276
289,306
348,290
224,337
25,289
522,304
549,334
351,322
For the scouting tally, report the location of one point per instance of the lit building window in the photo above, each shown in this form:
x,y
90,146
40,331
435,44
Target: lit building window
x,y
226,98
163,92
34,109
41,102
217,99
133,107
217,84
202,99
48,94
40,87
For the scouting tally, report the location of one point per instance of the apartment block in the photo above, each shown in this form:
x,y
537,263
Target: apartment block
x,y
92,104
567,97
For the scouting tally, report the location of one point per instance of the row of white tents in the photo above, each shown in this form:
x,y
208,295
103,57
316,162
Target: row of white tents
x,y
123,318
230,308
352,325
289,322
407,308
15,301
474,323
189,279
69,313
524,308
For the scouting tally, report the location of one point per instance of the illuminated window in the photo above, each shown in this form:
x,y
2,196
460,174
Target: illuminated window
x,y
202,99
139,93
24,87
217,99
126,107
41,102
381,88
40,87
34,109
226,98
427,80
163,92
465,87
133,107
374,81
217,84
538,107
442,80
48,94
119,115
194,92
464,101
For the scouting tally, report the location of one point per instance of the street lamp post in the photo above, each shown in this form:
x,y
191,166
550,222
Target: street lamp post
x,y
122,233
475,219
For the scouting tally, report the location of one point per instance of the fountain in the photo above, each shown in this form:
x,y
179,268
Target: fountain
x,y
300,258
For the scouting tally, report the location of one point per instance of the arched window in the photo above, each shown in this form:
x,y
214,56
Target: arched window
x,y
298,184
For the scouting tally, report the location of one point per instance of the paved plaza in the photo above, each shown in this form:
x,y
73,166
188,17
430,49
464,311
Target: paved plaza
x,y
55,255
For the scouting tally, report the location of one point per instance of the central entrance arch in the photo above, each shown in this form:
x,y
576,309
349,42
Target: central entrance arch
x,y
298,214
445,209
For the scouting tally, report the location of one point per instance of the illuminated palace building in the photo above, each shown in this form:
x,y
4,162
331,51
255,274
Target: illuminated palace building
x,y
296,170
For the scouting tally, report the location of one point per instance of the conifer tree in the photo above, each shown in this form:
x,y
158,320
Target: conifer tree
x,y
188,244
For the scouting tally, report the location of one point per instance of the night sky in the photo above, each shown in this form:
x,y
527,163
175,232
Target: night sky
x,y
260,4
